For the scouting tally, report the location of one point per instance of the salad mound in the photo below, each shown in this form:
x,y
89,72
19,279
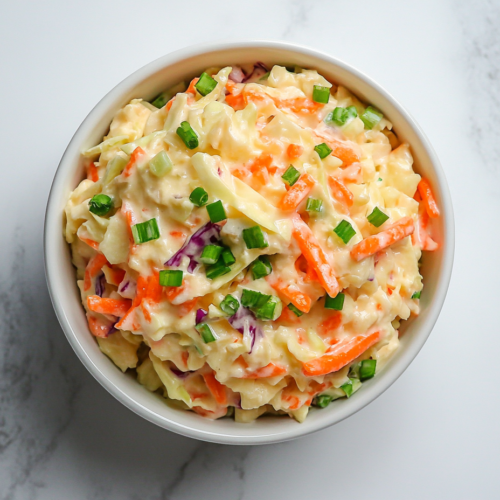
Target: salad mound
x,y
249,244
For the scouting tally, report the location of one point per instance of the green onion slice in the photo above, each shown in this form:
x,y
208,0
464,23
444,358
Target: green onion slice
x,y
416,295
261,267
216,211
210,254
205,84
271,310
323,400
217,269
367,369
345,231
377,217
371,117
336,302
100,204
188,135
227,256
347,388
229,305
206,332
253,299
160,164
295,311
171,277
313,205
321,94
198,197
291,176
340,116
145,231
323,150
254,237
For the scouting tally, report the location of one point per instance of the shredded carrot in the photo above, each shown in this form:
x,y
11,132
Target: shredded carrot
x,y
424,188
270,370
343,151
297,193
340,192
93,267
177,234
315,255
288,316
91,243
172,292
186,307
115,307
116,275
236,101
303,266
294,151
169,103
373,244
343,353
137,155
298,298
216,388
329,325
293,401
421,236
92,172
192,89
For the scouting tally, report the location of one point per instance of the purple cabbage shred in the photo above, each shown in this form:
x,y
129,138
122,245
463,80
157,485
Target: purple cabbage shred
x,y
243,317
201,314
259,69
100,284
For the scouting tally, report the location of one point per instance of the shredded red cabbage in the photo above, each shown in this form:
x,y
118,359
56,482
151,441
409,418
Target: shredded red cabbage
x,y
100,284
112,329
179,373
244,317
192,248
201,314
123,286
237,75
259,69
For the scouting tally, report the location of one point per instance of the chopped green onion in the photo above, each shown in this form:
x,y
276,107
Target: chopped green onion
x,y
323,150
188,135
313,205
100,204
354,370
416,295
227,256
371,117
145,231
345,231
340,116
261,267
271,310
171,278
336,302
216,270
211,254
295,311
321,94
291,176
198,197
348,388
229,305
160,164
377,217
160,100
323,400
216,211
254,237
263,77
379,178
205,84
367,369
253,299
352,112
207,334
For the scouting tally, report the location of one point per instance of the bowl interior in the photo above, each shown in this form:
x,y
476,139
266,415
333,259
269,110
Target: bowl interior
x,y
147,83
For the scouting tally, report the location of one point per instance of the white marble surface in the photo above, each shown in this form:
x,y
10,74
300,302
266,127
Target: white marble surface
x,y
434,434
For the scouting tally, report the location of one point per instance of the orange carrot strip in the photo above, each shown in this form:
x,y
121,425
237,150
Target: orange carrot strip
x,y
154,289
169,103
137,155
216,388
115,307
297,193
91,243
340,355
93,267
315,255
340,192
236,101
270,370
294,151
186,307
424,188
299,299
294,401
343,151
97,327
92,172
116,275
173,291
192,89
373,244
330,324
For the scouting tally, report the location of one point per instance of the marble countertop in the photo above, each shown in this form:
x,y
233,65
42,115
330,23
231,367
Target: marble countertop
x,y
433,434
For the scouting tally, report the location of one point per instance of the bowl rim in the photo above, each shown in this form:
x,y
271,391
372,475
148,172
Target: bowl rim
x,y
52,227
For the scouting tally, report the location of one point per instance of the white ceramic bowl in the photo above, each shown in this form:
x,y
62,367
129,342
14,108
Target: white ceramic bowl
x,y
146,83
